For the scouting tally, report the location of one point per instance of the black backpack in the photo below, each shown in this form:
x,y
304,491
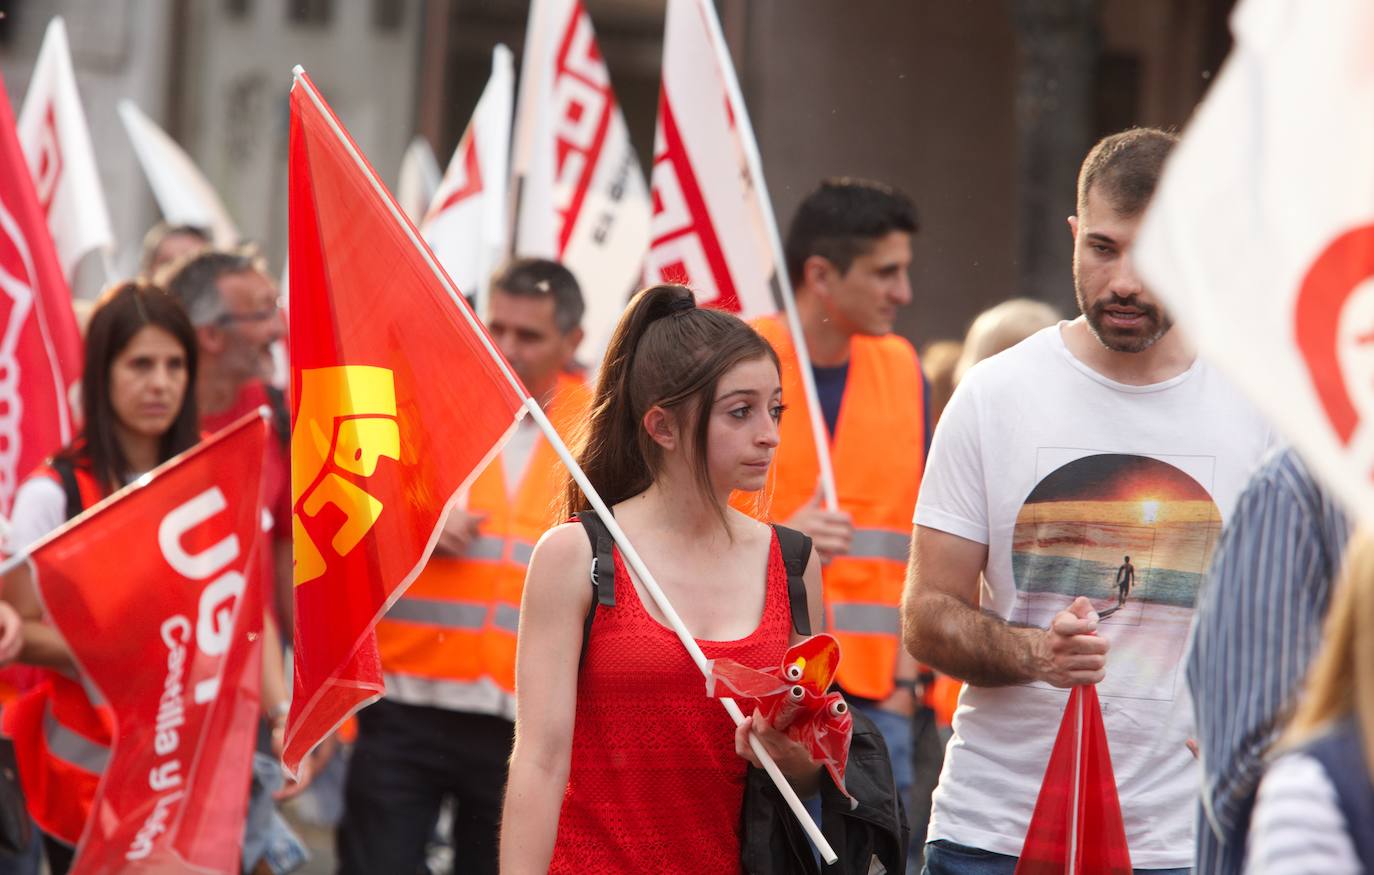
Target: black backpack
x,y
771,840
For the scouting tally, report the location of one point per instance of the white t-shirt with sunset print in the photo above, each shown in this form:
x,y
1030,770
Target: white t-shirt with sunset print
x,y
1079,484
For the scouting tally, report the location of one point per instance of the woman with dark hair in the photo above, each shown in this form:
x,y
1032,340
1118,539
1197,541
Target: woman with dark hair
x,y
139,410
621,762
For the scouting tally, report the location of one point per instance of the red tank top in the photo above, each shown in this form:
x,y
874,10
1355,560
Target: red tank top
x,y
654,783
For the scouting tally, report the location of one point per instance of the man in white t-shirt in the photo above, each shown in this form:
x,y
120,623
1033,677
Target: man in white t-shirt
x,y
1092,440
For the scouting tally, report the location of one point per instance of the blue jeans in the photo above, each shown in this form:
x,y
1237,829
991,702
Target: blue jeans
x,y
898,735
266,835
947,858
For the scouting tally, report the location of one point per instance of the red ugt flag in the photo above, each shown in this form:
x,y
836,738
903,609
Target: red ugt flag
x,y
399,399
1076,828
40,346
173,644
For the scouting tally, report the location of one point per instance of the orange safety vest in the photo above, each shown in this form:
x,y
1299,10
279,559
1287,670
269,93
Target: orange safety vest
x,y
878,454
942,697
61,738
454,629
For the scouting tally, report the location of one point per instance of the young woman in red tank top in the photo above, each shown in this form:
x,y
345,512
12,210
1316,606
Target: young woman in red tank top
x,y
621,762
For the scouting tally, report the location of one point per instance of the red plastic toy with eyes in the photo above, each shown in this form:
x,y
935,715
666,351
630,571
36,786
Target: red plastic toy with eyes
x,y
793,698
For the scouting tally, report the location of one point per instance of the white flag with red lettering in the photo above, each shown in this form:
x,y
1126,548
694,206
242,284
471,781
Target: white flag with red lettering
x,y
581,194
466,224
708,229
57,145
1260,239
182,192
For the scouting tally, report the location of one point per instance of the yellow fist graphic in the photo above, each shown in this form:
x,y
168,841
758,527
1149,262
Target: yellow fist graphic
x,y
346,422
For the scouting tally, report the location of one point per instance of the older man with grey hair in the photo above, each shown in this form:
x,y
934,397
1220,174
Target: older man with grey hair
x,y
235,308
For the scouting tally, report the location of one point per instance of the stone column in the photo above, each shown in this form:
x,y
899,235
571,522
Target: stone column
x,y
1057,45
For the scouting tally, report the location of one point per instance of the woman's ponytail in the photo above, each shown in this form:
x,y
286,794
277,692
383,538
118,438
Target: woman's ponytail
x,y
665,352
608,446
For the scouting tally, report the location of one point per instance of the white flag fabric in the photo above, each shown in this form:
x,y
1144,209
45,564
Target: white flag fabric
x,y
182,192
57,145
1260,239
418,179
466,223
708,225
581,195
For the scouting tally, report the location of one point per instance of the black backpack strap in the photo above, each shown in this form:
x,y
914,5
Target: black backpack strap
x,y
66,475
281,417
602,574
796,553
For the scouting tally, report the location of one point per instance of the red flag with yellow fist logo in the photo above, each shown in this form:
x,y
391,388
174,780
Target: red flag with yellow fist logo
x,y
398,400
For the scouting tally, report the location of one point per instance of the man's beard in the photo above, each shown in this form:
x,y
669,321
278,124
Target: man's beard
x,y
1154,324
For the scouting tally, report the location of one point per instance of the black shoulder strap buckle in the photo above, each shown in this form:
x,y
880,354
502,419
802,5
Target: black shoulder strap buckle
x,y
796,553
602,572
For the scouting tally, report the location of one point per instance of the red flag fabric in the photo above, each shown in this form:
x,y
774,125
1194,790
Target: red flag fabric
x,y
172,642
1076,828
399,401
40,345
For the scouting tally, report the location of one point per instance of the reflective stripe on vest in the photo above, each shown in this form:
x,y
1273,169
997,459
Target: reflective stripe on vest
x,y
492,548
434,612
879,544
866,619
489,548
453,615
73,747
507,618
520,552
482,696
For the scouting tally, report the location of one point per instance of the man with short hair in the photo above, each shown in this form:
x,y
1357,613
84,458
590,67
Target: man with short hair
x,y
1093,439
445,728
236,310
848,254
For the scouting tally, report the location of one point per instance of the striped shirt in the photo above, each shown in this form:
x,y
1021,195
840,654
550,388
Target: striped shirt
x,y
1259,623
1298,826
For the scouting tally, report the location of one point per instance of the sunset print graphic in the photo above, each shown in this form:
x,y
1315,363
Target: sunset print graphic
x,y
1134,535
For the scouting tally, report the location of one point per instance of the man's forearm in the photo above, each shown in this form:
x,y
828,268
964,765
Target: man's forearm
x,y
970,645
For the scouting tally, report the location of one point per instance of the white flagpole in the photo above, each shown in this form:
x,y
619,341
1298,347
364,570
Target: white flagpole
x,y
819,433
1077,802
627,550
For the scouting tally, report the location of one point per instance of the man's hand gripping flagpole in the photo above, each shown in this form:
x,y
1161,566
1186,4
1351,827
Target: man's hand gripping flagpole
x,y
627,550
